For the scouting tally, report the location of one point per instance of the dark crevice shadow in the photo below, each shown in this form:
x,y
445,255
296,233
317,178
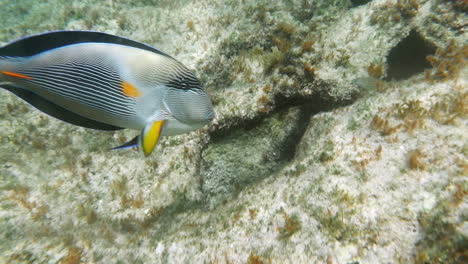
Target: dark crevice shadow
x,y
408,57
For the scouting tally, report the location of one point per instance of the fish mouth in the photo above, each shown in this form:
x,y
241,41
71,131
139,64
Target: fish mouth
x,y
211,116
208,119
199,122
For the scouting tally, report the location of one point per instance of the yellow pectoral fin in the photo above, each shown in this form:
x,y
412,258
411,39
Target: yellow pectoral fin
x,y
150,136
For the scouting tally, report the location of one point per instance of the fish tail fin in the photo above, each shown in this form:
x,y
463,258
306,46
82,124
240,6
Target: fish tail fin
x,y
3,64
9,68
3,68
7,65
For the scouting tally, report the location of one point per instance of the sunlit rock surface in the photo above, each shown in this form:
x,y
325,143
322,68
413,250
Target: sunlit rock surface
x,y
340,137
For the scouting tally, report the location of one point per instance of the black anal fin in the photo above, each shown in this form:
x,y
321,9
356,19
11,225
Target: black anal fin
x,y
58,111
130,144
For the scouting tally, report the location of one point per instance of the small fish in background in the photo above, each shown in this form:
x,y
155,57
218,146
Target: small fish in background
x,y
101,81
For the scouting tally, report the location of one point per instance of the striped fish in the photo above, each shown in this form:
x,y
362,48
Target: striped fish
x,y
101,81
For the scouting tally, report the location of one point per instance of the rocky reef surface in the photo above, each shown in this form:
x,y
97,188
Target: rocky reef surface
x,y
340,137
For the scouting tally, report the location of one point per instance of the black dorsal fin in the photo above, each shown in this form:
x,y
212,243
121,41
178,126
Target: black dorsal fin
x,y
58,111
34,44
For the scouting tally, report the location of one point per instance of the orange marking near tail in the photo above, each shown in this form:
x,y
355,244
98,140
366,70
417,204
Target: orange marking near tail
x,y
17,75
130,90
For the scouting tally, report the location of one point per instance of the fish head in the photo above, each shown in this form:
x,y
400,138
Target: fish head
x,y
188,102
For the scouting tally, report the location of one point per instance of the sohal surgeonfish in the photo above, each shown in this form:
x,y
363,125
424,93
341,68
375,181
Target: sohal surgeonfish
x,y
101,81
